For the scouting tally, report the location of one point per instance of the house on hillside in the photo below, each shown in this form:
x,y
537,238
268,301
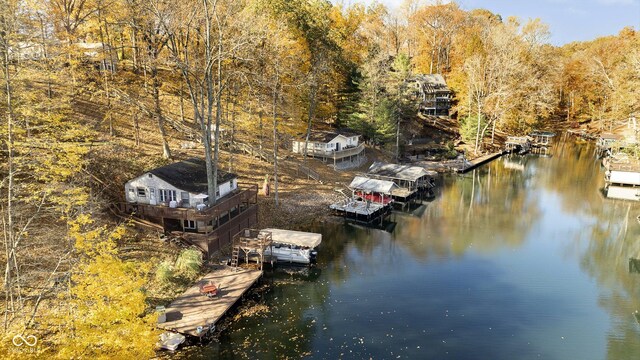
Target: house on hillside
x,y
26,50
343,146
182,184
433,93
175,198
102,55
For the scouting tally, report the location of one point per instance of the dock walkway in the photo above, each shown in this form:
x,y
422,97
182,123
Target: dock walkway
x,y
192,309
480,161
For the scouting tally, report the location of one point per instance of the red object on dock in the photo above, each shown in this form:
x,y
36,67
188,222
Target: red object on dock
x,y
376,198
209,290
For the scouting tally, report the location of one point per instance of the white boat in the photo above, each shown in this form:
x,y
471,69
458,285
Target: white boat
x,y
293,246
170,341
292,253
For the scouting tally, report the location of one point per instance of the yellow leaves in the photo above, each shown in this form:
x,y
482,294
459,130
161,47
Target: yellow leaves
x,y
107,297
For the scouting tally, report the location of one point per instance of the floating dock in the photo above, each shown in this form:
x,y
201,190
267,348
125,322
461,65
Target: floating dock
x,y
192,311
361,211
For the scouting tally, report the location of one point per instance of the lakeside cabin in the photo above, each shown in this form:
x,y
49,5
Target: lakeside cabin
x,y
433,93
341,146
174,197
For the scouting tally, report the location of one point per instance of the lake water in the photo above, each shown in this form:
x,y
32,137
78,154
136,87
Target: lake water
x,y
521,259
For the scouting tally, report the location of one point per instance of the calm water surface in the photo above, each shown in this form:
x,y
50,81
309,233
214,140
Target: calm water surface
x,y
521,259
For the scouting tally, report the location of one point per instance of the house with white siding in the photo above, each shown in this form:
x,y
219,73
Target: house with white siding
x,y
342,146
181,184
174,198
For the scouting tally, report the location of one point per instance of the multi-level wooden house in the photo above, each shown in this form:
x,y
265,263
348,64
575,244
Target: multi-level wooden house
x,y
175,198
433,93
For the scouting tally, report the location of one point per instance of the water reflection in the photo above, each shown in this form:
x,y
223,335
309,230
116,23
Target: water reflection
x,y
520,259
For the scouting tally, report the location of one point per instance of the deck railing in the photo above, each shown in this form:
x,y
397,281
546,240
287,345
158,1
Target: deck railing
x,y
247,194
333,154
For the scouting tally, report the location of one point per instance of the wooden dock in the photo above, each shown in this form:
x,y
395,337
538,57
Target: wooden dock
x,y
480,161
192,309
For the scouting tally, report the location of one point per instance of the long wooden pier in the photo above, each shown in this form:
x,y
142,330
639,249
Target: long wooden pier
x,y
192,310
480,161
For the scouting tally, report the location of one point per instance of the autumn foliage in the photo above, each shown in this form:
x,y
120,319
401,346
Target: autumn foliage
x,y
95,91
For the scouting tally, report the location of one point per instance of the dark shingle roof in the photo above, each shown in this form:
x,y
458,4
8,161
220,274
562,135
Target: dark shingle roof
x,y
321,136
189,175
432,83
326,136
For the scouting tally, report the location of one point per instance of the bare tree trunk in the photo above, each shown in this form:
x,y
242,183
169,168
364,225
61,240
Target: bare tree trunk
x,y
398,140
134,46
313,90
260,125
136,128
155,83
211,159
105,73
9,236
181,102
478,129
216,149
275,140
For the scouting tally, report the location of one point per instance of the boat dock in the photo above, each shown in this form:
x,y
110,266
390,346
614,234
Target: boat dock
x,y
361,211
412,181
470,165
194,314
582,133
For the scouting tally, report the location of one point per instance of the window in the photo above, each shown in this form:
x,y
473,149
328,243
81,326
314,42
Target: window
x,y
189,224
167,195
218,192
141,192
185,197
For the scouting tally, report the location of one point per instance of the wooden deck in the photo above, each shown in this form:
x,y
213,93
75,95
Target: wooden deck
x,y
191,309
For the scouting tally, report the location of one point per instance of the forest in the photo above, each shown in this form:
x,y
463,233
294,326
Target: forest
x,y
94,91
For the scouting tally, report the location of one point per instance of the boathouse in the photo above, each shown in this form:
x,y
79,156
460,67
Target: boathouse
x,y
370,201
341,146
541,138
413,178
175,198
623,174
519,144
373,190
607,140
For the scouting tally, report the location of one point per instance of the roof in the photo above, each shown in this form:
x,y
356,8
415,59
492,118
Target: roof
x,y
300,238
609,136
372,185
542,133
189,175
432,82
327,136
402,172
